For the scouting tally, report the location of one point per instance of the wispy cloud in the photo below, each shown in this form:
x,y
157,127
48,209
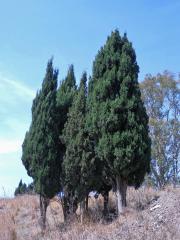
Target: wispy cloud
x,y
10,146
15,116
16,87
15,106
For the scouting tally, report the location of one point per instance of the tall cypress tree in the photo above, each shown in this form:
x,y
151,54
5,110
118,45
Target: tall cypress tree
x,y
65,95
40,153
78,162
118,119
100,181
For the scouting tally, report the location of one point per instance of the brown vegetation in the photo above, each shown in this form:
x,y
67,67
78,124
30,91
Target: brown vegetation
x,y
149,215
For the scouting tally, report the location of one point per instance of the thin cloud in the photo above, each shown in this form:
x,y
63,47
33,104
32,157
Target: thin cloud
x,y
15,108
10,146
18,88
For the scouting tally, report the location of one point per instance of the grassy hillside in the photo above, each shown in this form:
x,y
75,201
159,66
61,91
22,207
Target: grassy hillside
x,y
149,215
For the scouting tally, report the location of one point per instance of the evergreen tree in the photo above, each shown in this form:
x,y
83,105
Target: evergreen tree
x,y
100,182
78,162
30,188
23,188
40,152
65,95
18,189
118,119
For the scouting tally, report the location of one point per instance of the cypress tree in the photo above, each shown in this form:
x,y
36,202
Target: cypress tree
x,y
118,119
100,181
65,96
40,153
19,188
78,162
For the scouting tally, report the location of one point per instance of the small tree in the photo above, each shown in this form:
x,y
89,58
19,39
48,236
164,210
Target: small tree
x,y
40,152
118,116
18,190
23,188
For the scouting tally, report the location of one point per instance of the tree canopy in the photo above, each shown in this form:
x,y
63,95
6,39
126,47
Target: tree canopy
x,y
161,95
40,152
84,139
74,135
117,115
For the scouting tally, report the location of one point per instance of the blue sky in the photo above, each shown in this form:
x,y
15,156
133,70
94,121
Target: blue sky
x,y
71,31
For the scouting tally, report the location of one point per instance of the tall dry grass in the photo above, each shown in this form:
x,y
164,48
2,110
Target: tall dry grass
x,y
13,213
7,223
19,219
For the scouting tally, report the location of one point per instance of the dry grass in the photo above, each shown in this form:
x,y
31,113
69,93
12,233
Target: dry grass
x,y
19,218
141,198
13,213
7,226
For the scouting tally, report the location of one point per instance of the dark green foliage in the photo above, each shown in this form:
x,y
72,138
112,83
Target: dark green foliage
x,y
118,119
30,188
80,141
20,189
78,160
24,189
99,182
65,95
40,152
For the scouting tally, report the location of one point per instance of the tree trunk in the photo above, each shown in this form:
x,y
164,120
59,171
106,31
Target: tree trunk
x,y
175,173
82,210
106,201
70,206
86,203
44,202
121,194
74,206
64,207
